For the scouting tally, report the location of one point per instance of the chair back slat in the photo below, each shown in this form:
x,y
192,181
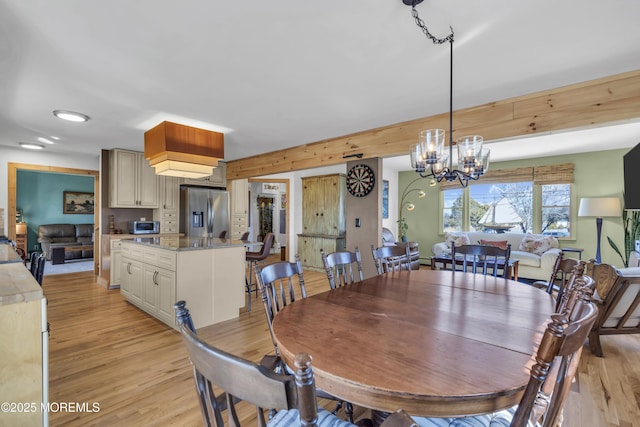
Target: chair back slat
x,y
342,267
489,258
391,258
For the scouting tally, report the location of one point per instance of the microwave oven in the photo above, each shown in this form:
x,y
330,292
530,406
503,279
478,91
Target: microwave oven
x,y
144,227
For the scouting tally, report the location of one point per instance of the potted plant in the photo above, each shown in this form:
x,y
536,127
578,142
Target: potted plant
x,y
402,228
631,225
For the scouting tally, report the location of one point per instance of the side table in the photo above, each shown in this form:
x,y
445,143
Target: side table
x,y
576,250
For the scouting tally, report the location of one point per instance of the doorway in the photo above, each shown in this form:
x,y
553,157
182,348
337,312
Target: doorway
x,y
265,216
12,195
279,200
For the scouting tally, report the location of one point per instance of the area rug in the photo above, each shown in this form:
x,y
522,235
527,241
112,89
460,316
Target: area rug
x,y
68,267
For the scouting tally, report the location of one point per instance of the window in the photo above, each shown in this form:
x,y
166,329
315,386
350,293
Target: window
x,y
501,208
516,207
452,210
556,210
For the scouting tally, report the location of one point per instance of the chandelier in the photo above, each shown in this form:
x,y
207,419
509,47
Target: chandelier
x,y
428,157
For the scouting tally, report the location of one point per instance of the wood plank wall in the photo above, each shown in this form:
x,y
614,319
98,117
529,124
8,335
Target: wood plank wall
x,y
597,102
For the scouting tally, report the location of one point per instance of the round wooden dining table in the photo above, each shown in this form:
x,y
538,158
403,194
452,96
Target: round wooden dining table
x,y
435,343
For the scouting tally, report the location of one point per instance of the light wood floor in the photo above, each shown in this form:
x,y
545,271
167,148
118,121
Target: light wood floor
x,y
104,350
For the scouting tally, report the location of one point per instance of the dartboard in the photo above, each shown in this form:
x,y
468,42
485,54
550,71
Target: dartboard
x,y
360,180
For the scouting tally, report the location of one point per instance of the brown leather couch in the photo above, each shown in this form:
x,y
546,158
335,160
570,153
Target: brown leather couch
x,y
61,235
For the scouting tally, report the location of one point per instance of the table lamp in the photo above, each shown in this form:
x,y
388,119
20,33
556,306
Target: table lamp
x,y
599,207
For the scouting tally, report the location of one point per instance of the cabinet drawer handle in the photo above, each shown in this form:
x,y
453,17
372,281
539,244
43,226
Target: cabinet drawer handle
x,y
155,275
129,267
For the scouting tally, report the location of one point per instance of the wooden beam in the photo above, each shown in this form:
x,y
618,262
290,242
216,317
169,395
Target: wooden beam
x,y
597,102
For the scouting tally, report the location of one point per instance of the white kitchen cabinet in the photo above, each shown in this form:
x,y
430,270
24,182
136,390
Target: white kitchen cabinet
x,y
240,196
217,179
159,292
239,207
116,258
167,212
170,192
131,276
154,271
132,182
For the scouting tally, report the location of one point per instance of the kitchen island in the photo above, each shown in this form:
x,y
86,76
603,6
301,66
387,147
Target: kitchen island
x,y
207,273
24,352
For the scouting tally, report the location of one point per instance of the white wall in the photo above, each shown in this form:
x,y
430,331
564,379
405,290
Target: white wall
x,y
41,158
391,223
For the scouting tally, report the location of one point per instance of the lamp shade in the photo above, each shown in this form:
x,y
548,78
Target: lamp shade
x,y
21,228
600,206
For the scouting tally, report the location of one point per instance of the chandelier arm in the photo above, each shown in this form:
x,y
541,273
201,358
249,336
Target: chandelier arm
x,y
406,189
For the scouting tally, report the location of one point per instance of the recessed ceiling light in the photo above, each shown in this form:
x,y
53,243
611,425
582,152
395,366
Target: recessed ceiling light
x,y
70,116
31,146
44,140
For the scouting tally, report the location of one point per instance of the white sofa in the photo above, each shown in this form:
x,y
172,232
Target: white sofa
x,y
530,265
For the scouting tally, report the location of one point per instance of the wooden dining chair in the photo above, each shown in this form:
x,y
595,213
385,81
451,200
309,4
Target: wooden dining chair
x,y
557,359
223,234
245,236
491,259
278,289
560,275
342,266
22,254
33,263
276,283
618,298
391,258
294,396
253,258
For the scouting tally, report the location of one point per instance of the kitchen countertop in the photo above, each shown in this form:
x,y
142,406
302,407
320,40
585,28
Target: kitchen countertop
x,y
8,254
185,243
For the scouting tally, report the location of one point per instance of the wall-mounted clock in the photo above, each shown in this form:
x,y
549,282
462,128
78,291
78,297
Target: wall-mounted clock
x,y
360,180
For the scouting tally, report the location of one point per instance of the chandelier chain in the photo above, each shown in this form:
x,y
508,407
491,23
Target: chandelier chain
x,y
420,23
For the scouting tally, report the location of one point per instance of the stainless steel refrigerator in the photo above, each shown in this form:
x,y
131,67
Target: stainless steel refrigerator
x,y
204,212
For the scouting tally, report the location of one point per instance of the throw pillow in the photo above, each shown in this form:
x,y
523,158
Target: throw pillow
x,y
457,238
536,243
502,244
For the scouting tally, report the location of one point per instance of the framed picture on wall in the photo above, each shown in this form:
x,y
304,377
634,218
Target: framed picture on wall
x,y
385,199
77,202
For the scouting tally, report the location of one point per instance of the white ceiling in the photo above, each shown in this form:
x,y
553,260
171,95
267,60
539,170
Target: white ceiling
x,y
281,73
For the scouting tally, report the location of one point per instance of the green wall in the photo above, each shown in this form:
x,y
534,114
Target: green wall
x,y
595,174
39,196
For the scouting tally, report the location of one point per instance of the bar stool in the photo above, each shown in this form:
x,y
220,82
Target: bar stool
x,y
252,258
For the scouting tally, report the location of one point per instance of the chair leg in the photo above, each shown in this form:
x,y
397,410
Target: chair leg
x,y
594,344
250,285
